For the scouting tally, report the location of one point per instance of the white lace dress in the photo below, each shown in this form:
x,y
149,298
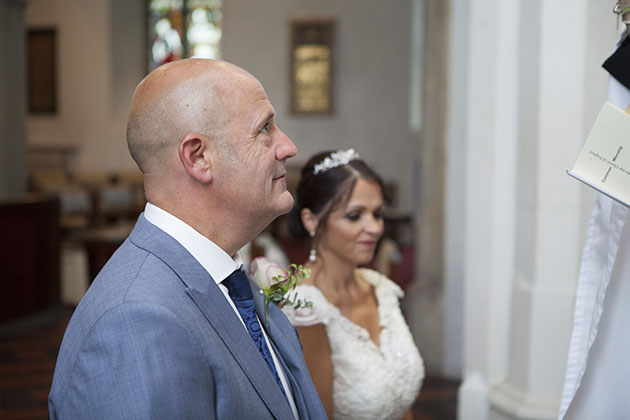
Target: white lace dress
x,y
369,382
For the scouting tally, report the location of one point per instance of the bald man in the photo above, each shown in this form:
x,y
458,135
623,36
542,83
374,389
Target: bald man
x,y
162,332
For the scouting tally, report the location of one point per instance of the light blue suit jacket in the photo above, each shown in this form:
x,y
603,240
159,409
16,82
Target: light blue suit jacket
x,y
155,338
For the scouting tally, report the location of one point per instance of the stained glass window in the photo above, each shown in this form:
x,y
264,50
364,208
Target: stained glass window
x,y
183,28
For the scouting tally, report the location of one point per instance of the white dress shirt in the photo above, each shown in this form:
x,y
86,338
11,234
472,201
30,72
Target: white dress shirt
x,y
216,262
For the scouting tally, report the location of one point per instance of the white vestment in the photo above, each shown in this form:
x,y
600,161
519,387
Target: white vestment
x,y
597,382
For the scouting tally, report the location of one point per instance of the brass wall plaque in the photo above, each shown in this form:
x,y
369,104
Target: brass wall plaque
x,y
311,65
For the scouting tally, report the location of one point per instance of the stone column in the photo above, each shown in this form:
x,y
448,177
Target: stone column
x,y
517,120
13,165
548,218
487,123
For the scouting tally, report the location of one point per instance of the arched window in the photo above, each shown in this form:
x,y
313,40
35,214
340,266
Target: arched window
x,y
183,28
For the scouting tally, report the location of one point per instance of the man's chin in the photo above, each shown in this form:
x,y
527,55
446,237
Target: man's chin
x,y
281,205
285,203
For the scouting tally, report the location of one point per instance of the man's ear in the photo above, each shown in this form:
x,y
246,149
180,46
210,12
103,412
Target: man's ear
x,y
195,157
309,220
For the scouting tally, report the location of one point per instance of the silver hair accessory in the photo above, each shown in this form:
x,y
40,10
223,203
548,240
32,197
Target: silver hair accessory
x,y
338,158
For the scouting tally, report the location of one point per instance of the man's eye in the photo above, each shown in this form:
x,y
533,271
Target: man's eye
x,y
265,129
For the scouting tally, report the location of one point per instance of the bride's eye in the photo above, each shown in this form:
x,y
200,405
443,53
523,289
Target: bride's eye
x,y
354,216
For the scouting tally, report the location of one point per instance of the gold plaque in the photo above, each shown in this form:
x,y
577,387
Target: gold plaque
x,y
311,66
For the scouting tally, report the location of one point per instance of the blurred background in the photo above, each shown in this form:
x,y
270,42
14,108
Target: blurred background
x,y
470,110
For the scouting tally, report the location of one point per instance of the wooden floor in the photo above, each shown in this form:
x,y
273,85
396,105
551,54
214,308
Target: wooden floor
x,y
28,350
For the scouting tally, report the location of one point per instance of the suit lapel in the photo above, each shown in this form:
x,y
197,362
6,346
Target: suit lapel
x,y
287,355
226,324
212,303
298,398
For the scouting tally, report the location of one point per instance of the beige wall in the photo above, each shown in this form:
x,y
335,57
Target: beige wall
x,y
99,61
101,58
371,76
425,306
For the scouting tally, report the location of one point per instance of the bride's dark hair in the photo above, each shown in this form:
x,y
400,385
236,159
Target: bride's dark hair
x,y
327,190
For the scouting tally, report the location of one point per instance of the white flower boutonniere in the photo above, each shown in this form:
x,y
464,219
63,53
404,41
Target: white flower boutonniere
x,y
276,282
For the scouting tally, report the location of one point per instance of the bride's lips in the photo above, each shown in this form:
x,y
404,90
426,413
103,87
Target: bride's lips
x,y
369,244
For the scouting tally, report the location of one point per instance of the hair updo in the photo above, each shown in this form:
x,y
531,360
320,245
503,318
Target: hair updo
x,y
325,191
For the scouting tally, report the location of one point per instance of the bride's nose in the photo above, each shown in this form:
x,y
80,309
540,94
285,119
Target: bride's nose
x,y
374,225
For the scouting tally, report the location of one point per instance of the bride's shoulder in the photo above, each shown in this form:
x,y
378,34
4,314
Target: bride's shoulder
x,y
313,307
381,282
307,290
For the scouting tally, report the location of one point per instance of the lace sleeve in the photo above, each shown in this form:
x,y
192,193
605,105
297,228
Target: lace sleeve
x,y
318,313
382,283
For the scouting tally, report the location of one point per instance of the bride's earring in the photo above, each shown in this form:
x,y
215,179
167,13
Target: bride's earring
x,y
312,256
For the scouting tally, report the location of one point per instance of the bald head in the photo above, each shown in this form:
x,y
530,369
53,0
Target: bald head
x,y
186,96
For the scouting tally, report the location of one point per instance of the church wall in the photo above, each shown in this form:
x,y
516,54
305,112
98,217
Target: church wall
x,y
101,58
371,77
92,55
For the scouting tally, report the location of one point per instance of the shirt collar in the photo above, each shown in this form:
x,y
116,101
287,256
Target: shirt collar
x,y
214,259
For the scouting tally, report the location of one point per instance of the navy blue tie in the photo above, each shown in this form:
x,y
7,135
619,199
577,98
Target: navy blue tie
x,y
241,293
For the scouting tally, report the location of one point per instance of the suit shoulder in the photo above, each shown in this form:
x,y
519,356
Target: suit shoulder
x,y
128,341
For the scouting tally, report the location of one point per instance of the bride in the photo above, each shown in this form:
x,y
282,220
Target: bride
x,y
357,346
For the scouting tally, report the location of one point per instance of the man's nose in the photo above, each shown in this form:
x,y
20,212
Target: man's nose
x,y
285,149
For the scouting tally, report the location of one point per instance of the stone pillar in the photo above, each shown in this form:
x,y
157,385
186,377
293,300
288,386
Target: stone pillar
x,y
548,217
13,165
487,121
517,120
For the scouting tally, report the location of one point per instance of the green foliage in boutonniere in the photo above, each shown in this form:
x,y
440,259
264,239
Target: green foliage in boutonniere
x,y
276,283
